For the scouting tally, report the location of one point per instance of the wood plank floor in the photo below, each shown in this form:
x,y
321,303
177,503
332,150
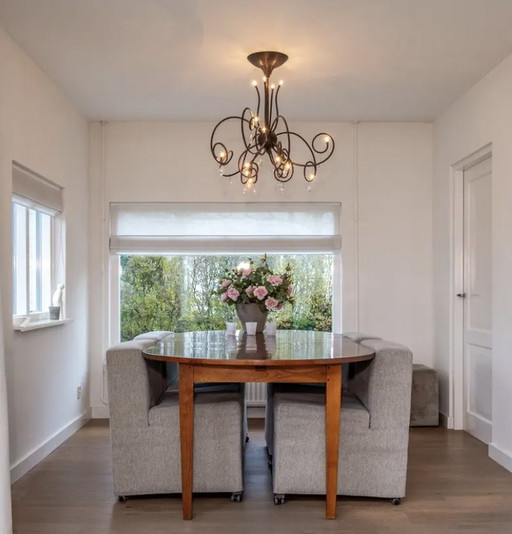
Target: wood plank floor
x,y
453,487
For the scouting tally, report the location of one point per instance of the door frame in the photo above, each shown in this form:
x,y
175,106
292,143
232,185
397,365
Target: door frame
x,y
456,395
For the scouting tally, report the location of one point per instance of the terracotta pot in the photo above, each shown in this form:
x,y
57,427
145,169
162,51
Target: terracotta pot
x,y
251,313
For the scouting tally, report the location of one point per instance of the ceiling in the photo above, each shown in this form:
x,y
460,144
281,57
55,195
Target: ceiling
x,y
186,59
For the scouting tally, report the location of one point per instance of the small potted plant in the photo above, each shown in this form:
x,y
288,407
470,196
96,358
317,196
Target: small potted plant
x,y
255,290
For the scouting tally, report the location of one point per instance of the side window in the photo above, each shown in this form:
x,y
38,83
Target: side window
x,y
37,244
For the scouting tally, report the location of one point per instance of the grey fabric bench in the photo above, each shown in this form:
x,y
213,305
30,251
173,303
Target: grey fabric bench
x,y
145,428
425,396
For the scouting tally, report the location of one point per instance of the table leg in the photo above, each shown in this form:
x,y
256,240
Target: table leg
x,y
187,436
332,436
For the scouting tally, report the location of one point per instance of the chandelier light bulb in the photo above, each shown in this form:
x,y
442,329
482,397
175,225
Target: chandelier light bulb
x,y
312,176
281,82
327,138
254,83
273,86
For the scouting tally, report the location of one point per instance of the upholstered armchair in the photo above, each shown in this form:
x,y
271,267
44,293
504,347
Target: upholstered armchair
x,y
373,437
145,428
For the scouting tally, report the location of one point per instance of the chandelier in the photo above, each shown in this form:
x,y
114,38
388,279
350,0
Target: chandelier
x,y
266,131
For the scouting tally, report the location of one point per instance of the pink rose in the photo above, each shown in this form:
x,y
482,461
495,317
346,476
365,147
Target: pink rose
x,y
289,290
275,279
224,297
233,293
280,306
271,303
246,272
226,283
249,290
260,292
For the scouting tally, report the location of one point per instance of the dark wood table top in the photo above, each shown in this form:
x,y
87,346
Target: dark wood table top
x,y
287,347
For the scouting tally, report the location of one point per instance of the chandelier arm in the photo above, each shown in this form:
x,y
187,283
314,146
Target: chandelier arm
x,y
251,169
271,106
248,150
224,156
286,132
329,146
259,101
282,173
250,122
212,144
267,103
275,99
311,151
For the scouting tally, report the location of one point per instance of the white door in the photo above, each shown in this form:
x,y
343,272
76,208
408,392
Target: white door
x,y
478,301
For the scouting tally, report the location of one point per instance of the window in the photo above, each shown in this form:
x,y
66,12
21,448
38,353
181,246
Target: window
x,y
36,229
177,293
167,258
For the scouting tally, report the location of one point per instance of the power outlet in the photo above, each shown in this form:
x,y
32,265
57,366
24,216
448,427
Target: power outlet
x,y
78,392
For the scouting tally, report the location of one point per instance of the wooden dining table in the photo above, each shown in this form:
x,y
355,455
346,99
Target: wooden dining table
x,y
290,356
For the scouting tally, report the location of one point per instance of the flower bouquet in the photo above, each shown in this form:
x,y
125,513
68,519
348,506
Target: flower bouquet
x,y
256,284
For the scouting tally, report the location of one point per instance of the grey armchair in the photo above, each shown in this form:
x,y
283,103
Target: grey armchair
x,y
373,437
145,428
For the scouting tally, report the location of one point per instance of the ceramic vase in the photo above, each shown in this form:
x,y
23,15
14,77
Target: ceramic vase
x,y
252,312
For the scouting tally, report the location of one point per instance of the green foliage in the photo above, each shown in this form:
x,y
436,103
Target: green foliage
x,y
150,294
180,293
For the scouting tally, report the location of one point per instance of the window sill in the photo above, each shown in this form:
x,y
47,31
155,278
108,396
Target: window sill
x,y
36,325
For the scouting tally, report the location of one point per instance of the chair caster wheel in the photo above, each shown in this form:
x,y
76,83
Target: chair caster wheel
x,y
396,501
123,498
237,496
279,499
247,438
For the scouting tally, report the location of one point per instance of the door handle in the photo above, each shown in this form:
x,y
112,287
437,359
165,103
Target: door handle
x,y
461,295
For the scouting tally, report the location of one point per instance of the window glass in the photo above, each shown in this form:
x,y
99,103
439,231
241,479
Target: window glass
x,y
46,260
32,260
19,259
177,293
33,267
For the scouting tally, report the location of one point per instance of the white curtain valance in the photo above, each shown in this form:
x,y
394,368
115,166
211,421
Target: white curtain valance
x,y
34,191
213,228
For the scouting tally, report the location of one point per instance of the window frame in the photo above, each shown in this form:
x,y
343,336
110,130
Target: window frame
x,y
265,244
55,225
115,294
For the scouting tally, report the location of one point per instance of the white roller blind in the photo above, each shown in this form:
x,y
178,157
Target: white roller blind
x,y
224,227
34,191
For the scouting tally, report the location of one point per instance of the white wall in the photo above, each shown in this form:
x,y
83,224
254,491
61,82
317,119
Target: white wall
x,y
483,115
395,232
40,129
381,171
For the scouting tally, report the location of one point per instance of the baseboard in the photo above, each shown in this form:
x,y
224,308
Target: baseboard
x,y
100,412
501,456
23,466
